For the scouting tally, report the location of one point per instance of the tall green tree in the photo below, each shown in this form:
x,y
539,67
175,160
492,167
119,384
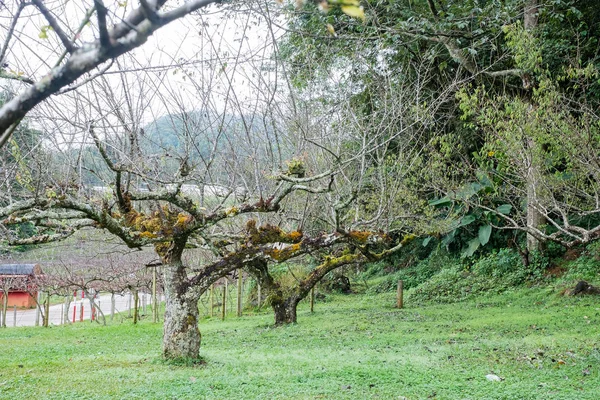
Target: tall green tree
x,y
509,48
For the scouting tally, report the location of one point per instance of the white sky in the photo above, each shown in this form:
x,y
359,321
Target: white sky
x,y
222,51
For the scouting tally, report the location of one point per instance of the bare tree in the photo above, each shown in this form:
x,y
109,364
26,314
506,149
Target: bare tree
x,y
185,179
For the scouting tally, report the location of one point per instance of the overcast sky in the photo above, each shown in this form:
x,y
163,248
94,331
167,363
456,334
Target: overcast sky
x,y
211,53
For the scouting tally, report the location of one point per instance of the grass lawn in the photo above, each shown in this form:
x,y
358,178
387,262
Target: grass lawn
x,y
353,347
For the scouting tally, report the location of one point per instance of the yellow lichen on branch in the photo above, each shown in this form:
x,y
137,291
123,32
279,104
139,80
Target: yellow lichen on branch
x,y
408,238
360,236
160,223
162,248
148,235
232,211
271,234
283,253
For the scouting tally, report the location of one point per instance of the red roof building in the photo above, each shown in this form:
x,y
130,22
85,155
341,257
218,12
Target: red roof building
x,y
18,280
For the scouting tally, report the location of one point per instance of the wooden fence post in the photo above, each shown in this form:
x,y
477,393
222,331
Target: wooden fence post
x,y
211,300
129,298
223,308
143,307
312,299
65,319
136,298
15,316
154,302
400,295
239,294
112,306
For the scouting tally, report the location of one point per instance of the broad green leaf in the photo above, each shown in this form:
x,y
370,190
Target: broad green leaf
x,y
426,241
504,209
440,202
467,219
448,239
484,180
485,232
471,247
469,190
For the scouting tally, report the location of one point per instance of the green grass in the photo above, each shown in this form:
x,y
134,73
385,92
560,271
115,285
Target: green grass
x,y
352,347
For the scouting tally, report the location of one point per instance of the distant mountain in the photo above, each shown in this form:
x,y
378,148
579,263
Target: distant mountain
x,y
172,137
198,134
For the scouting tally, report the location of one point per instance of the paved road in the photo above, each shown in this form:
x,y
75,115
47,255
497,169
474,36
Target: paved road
x,y
57,314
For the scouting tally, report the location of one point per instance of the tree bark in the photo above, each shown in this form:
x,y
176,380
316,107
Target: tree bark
x,y
181,336
136,298
534,217
285,309
47,311
530,14
285,304
4,307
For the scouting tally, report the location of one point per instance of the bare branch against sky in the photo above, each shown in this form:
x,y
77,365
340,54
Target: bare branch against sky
x,y
131,29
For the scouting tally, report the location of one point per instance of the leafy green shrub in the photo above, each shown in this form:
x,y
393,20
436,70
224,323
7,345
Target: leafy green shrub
x,y
493,273
455,284
374,269
538,264
584,268
413,276
498,263
507,264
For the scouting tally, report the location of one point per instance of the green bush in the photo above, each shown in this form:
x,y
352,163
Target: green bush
x,y
491,274
507,264
505,261
586,268
456,284
413,276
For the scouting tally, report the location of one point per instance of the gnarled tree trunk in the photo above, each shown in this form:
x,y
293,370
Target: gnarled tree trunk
x,y
285,304
181,336
285,309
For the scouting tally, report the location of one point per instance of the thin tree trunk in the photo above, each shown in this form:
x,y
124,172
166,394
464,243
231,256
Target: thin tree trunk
x,y
284,308
154,301
4,307
66,310
530,14
136,298
47,310
534,218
